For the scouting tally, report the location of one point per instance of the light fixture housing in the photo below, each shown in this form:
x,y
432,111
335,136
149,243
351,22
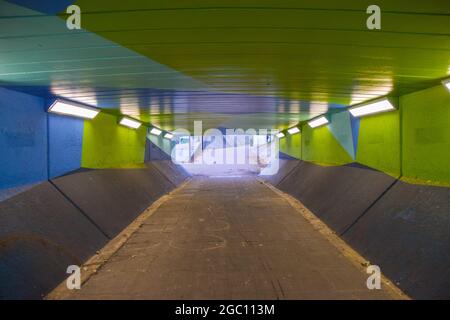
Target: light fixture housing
x,y
69,108
130,123
446,83
168,135
317,122
155,131
293,130
372,107
280,135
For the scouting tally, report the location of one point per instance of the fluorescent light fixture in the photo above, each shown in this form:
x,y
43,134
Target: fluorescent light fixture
x,y
69,108
155,131
130,123
293,130
382,105
446,83
318,122
168,135
280,135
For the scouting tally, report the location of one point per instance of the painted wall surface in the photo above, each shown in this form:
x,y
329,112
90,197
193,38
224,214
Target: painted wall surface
x,y
107,144
379,142
341,127
65,143
413,142
35,145
426,136
292,145
23,139
320,146
158,148
164,144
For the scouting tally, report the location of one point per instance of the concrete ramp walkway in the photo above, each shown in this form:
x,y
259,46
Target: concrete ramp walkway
x,y
228,238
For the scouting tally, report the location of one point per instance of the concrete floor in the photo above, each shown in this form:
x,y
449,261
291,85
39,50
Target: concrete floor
x,y
227,238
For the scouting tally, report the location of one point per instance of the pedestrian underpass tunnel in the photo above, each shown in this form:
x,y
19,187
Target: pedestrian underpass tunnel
x,y
225,149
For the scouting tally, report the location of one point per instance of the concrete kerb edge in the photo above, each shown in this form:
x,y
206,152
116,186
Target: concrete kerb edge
x,y
353,256
95,263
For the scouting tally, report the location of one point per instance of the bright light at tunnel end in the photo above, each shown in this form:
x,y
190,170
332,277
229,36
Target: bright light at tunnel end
x,y
382,105
318,122
130,123
256,150
68,108
293,130
155,131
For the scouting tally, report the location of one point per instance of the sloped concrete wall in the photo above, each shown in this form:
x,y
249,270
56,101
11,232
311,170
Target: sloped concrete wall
x,y
401,227
41,234
407,233
338,195
113,198
286,166
176,174
157,148
66,220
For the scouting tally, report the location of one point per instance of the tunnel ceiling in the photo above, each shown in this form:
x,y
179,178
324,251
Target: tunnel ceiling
x,y
229,63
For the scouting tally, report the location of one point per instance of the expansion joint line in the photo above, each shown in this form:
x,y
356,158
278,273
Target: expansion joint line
x,y
164,175
289,173
370,206
78,208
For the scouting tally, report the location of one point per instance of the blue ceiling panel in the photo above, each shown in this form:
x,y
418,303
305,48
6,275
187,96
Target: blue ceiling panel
x,y
45,6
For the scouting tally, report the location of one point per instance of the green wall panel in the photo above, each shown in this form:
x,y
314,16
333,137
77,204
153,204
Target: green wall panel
x,y
426,136
107,144
379,142
320,146
292,145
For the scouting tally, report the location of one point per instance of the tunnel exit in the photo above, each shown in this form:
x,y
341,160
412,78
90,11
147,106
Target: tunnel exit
x,y
234,152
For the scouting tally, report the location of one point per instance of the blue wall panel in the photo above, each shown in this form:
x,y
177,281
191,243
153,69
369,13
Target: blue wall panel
x,y
23,139
65,141
35,145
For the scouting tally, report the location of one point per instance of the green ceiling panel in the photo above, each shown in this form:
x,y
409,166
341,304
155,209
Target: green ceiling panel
x,y
311,50
168,62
